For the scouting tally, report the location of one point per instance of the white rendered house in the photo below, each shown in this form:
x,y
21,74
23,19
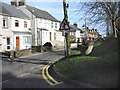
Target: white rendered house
x,y
45,28
14,29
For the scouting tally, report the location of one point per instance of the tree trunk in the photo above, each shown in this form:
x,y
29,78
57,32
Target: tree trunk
x,y
114,28
107,29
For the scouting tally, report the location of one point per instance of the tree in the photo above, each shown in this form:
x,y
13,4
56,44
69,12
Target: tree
x,y
100,12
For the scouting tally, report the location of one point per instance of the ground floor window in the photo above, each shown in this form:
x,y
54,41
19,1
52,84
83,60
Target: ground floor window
x,y
54,36
50,36
8,43
26,40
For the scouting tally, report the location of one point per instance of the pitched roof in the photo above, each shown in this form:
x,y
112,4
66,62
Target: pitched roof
x,y
12,11
41,13
74,28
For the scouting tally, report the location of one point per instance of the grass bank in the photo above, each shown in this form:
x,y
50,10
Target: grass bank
x,y
99,69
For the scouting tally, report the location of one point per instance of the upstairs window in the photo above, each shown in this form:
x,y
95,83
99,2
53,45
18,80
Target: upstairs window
x,y
55,24
25,24
16,23
5,23
51,24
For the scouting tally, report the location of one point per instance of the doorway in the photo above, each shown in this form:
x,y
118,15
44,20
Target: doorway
x,y
17,43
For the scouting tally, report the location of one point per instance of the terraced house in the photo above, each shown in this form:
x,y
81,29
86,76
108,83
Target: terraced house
x,y
90,33
14,29
45,27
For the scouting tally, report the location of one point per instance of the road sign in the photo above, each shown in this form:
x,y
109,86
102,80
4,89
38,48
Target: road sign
x,y
64,25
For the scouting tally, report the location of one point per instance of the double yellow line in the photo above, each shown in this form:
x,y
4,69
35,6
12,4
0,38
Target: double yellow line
x,y
50,80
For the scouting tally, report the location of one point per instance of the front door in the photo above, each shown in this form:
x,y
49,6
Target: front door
x,y
17,43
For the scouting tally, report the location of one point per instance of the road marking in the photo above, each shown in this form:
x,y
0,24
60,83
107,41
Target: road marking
x,y
48,78
23,74
4,81
51,78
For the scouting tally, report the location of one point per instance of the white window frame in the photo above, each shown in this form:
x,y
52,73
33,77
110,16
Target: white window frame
x,y
25,24
55,24
16,21
52,25
6,22
26,40
8,44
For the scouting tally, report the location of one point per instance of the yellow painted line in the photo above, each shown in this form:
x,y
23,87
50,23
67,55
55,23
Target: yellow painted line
x,y
46,79
51,78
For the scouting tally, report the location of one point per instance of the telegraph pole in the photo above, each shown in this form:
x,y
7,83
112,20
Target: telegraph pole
x,y
67,34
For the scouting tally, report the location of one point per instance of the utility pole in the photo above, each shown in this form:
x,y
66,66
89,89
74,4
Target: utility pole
x,y
33,32
67,34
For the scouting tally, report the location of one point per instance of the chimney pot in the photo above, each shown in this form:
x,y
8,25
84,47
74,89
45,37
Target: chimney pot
x,y
75,24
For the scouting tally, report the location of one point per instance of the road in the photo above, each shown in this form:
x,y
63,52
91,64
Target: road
x,y
27,72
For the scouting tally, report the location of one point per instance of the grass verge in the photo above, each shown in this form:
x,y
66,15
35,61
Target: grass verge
x,y
99,69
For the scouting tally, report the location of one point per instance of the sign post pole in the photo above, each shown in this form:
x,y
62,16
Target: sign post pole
x,y
65,6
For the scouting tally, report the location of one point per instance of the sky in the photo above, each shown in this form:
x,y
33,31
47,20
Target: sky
x,y
55,8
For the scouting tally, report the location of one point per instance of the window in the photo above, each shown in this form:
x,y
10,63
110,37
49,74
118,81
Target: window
x,y
25,24
51,24
54,36
5,22
8,43
55,24
16,23
50,36
26,39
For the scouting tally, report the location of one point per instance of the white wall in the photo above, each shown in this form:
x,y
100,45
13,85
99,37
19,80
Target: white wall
x,y
22,44
6,32
45,24
0,32
21,24
21,28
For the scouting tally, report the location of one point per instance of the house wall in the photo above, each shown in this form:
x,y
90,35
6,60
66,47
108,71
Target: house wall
x,y
40,24
0,34
22,44
21,24
55,33
6,33
21,29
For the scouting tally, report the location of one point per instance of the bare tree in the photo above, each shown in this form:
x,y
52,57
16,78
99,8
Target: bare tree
x,y
108,12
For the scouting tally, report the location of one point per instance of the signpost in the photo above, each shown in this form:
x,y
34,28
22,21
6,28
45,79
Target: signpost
x,y
64,26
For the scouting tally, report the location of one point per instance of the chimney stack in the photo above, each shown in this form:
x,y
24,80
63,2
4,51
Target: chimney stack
x,y
75,24
18,3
